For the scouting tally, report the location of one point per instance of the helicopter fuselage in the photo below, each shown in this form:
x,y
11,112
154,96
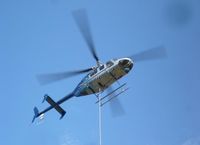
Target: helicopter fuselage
x,y
103,76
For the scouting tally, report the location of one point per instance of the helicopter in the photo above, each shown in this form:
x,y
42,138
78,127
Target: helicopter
x,y
98,78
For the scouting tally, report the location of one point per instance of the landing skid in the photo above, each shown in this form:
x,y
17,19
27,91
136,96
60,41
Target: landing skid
x,y
121,89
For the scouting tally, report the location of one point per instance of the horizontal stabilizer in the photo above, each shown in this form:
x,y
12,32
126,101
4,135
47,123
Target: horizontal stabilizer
x,y
55,105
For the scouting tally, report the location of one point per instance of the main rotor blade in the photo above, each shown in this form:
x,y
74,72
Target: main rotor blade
x,y
151,54
115,104
50,78
81,19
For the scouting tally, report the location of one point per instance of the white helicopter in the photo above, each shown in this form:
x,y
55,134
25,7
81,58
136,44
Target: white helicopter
x,y
99,77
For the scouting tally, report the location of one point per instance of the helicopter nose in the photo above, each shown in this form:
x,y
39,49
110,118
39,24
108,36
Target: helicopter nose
x,y
126,64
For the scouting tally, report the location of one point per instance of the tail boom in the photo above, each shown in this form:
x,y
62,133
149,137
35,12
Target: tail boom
x,y
53,104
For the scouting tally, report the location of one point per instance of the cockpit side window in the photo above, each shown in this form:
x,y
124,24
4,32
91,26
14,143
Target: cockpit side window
x,y
109,63
101,67
94,72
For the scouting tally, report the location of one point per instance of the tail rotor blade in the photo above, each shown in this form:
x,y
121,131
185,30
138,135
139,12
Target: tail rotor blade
x,y
150,54
50,78
81,19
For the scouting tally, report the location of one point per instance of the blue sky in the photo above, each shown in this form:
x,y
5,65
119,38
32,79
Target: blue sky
x,y
162,106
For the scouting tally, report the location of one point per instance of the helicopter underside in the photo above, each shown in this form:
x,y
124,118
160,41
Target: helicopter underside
x,y
102,81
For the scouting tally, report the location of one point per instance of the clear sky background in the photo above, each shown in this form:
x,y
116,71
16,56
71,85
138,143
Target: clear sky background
x,y
40,36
